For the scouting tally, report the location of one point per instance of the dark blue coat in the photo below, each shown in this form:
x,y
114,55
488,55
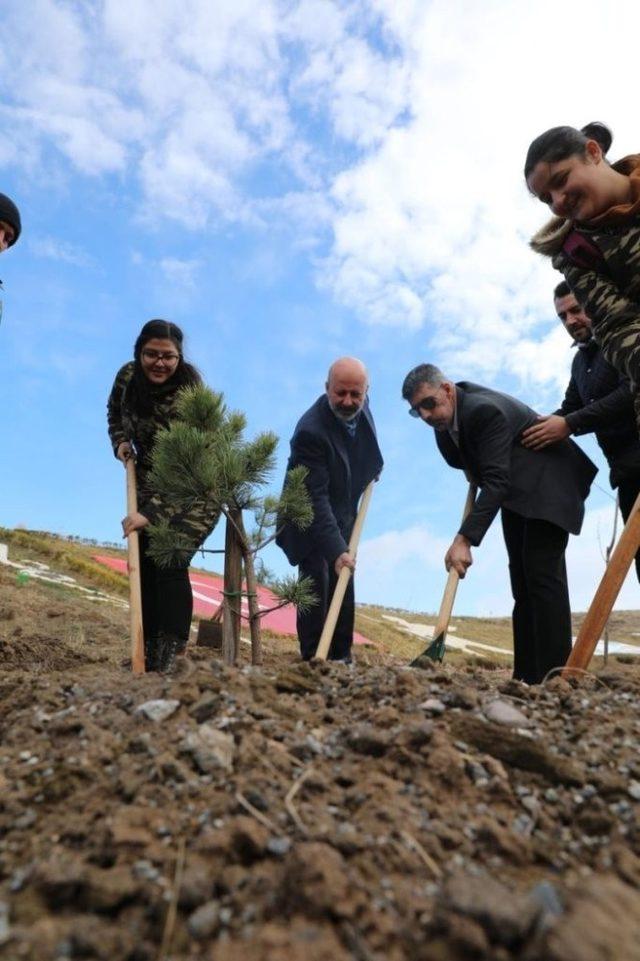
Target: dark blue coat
x,y
320,443
598,399
549,484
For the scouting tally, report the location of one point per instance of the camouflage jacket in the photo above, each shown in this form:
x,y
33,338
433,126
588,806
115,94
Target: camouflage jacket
x,y
601,264
126,424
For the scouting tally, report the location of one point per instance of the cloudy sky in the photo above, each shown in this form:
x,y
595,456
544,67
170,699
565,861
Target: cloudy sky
x,y
290,181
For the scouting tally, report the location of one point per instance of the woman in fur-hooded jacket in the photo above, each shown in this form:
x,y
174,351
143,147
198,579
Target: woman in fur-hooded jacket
x,y
594,237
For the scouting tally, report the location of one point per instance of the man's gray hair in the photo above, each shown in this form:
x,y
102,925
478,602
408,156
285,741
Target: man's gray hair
x,y
422,374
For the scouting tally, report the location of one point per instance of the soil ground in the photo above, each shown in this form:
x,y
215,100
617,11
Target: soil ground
x,y
299,812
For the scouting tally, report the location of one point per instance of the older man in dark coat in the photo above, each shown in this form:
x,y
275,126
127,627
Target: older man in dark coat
x,y
540,494
336,441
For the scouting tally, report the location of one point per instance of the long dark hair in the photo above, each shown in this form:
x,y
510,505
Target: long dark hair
x,y
141,392
558,143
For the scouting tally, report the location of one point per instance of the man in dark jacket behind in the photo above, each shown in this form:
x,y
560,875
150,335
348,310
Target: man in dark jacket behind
x,y
540,495
597,400
336,441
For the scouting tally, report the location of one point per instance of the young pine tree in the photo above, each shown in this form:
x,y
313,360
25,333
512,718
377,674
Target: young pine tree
x,y
203,467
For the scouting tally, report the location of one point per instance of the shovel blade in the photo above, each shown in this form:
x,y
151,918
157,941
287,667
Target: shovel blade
x,y
435,651
210,635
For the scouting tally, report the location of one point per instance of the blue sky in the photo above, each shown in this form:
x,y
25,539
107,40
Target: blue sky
x,y
289,182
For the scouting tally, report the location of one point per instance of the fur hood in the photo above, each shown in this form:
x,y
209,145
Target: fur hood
x,y
550,238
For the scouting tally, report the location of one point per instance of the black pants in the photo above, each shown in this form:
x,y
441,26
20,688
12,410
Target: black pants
x,y
541,613
167,600
628,491
310,623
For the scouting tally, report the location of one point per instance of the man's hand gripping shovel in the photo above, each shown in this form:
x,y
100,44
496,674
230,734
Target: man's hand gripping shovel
x,y
436,649
343,579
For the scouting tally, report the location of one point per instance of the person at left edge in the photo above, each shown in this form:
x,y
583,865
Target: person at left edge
x,y
142,402
10,227
336,441
10,224
540,495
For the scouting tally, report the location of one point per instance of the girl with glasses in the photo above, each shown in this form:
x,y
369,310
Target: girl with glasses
x,y
142,402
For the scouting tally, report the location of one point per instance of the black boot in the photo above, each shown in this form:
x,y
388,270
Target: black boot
x,y
169,645
152,648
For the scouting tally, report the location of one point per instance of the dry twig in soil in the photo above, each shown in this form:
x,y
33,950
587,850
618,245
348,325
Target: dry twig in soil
x,y
288,801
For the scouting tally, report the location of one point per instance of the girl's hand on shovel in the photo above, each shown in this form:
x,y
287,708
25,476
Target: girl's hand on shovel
x,y
459,556
133,522
124,452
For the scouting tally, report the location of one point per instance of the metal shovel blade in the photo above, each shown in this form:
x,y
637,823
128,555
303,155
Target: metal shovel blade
x,y
435,651
210,635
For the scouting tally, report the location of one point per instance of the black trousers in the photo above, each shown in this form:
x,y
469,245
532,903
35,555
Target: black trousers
x,y
310,623
541,613
167,600
628,491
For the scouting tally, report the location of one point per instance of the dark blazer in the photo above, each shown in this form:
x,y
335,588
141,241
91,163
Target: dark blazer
x,y
598,399
550,484
320,442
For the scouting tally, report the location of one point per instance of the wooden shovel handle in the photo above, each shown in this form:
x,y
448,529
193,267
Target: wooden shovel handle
x,y
449,596
608,590
133,566
343,579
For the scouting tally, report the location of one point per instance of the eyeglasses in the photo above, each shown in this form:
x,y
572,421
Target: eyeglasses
x,y
427,403
153,355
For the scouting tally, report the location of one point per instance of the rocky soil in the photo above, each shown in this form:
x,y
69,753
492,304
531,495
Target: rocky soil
x,y
306,812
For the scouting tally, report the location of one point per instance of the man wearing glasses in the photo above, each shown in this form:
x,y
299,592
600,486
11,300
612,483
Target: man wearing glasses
x,y
540,495
336,441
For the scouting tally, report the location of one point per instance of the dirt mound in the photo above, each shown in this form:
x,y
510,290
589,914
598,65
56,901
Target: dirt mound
x,y
318,812
305,812
39,653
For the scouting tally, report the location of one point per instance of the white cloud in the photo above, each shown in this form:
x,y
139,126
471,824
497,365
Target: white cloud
x,y
395,127
431,224
52,248
180,272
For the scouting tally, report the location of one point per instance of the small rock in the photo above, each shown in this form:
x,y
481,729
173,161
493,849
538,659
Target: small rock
x,y
463,697
433,706
278,847
478,774
504,914
204,921
145,870
532,804
368,740
249,840
196,887
634,790
158,710
418,734
501,712
206,707
210,749
5,930
550,906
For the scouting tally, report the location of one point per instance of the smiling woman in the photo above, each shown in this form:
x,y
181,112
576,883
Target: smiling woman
x,y
142,402
594,238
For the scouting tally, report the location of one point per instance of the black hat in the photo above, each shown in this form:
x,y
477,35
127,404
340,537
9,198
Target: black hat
x,y
10,214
